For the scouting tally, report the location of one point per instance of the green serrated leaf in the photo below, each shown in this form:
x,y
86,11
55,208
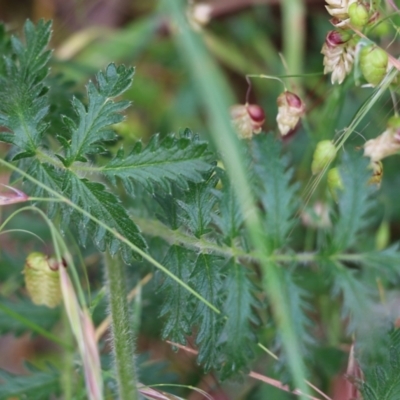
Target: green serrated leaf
x,y
94,122
206,279
198,205
357,301
237,336
230,217
38,385
174,159
103,205
382,377
354,201
277,194
176,304
22,103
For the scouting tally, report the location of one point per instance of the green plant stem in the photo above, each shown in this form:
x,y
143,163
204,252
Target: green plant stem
x,y
293,32
123,340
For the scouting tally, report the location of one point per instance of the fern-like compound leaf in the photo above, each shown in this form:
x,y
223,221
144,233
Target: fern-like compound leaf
x,y
206,279
93,127
238,339
354,202
23,104
277,194
198,205
38,385
105,207
173,159
230,217
176,306
382,377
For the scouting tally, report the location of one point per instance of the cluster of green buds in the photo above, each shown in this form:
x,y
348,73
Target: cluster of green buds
x,y
339,52
247,119
42,279
290,109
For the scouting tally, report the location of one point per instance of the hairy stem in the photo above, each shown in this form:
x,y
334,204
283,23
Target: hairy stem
x,y
123,340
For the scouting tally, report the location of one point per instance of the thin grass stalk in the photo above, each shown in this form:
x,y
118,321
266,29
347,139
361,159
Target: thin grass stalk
x,y
293,32
123,342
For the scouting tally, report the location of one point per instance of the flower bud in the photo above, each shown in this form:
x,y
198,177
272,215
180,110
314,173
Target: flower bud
x,y
386,144
42,279
324,153
247,119
359,15
373,64
334,181
290,110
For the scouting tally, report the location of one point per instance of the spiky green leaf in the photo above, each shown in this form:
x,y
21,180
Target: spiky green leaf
x,y
230,218
198,205
38,385
22,103
354,202
277,194
104,206
94,121
206,279
173,159
176,304
238,336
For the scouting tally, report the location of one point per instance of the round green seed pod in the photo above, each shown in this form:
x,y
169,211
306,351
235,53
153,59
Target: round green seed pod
x,y
324,153
42,280
373,64
359,15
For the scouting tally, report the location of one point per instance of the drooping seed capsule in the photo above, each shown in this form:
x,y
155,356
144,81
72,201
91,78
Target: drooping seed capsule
x,y
324,153
373,64
42,279
290,109
248,119
359,15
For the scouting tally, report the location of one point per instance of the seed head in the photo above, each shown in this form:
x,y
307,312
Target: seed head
x,y
248,119
339,53
373,64
359,15
42,279
290,109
